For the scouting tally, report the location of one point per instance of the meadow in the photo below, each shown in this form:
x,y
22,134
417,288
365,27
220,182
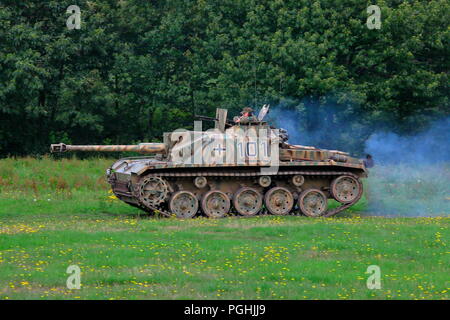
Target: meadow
x,y
54,214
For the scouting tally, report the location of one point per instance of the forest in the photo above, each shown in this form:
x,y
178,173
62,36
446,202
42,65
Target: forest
x,y
138,68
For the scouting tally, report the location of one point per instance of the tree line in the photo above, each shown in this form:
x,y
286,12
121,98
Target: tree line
x,y
135,69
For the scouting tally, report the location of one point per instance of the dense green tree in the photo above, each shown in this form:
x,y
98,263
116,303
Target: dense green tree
x,y
138,68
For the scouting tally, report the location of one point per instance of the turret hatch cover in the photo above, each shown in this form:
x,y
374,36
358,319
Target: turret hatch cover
x,y
262,113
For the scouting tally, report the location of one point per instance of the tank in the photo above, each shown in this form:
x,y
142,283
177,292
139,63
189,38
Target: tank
x,y
241,167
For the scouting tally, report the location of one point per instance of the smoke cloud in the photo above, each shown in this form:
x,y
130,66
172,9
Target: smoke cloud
x,y
326,125
411,176
429,147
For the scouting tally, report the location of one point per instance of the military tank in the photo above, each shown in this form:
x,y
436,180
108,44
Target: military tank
x,y
241,167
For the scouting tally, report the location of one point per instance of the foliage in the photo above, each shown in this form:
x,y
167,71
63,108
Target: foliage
x,y
138,68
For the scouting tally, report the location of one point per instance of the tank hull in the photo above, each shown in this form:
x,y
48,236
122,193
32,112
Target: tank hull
x,y
238,187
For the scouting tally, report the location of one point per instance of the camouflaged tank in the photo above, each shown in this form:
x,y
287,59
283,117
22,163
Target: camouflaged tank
x,y
241,167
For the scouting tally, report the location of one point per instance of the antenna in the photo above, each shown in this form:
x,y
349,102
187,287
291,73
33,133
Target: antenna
x,y
254,70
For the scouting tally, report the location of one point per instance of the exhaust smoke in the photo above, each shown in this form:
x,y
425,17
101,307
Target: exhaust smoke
x,y
411,176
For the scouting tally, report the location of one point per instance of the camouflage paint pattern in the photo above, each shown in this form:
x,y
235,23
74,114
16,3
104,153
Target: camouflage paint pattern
x,y
166,180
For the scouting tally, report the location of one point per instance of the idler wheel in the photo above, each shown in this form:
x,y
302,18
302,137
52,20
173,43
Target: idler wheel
x,y
279,201
184,204
247,201
313,202
215,204
346,189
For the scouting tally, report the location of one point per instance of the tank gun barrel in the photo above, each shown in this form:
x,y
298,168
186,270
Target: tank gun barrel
x,y
141,148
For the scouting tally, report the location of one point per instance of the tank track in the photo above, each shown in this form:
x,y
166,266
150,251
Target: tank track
x,y
159,209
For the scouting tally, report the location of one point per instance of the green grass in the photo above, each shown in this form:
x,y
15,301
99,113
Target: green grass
x,y
124,254
31,186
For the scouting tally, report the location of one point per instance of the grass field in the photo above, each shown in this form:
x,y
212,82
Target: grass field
x,y
54,214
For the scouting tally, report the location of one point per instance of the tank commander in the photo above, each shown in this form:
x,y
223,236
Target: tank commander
x,y
246,116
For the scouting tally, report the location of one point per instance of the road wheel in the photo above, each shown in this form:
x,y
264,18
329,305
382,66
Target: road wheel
x,y
346,189
279,201
312,203
215,204
184,204
247,201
